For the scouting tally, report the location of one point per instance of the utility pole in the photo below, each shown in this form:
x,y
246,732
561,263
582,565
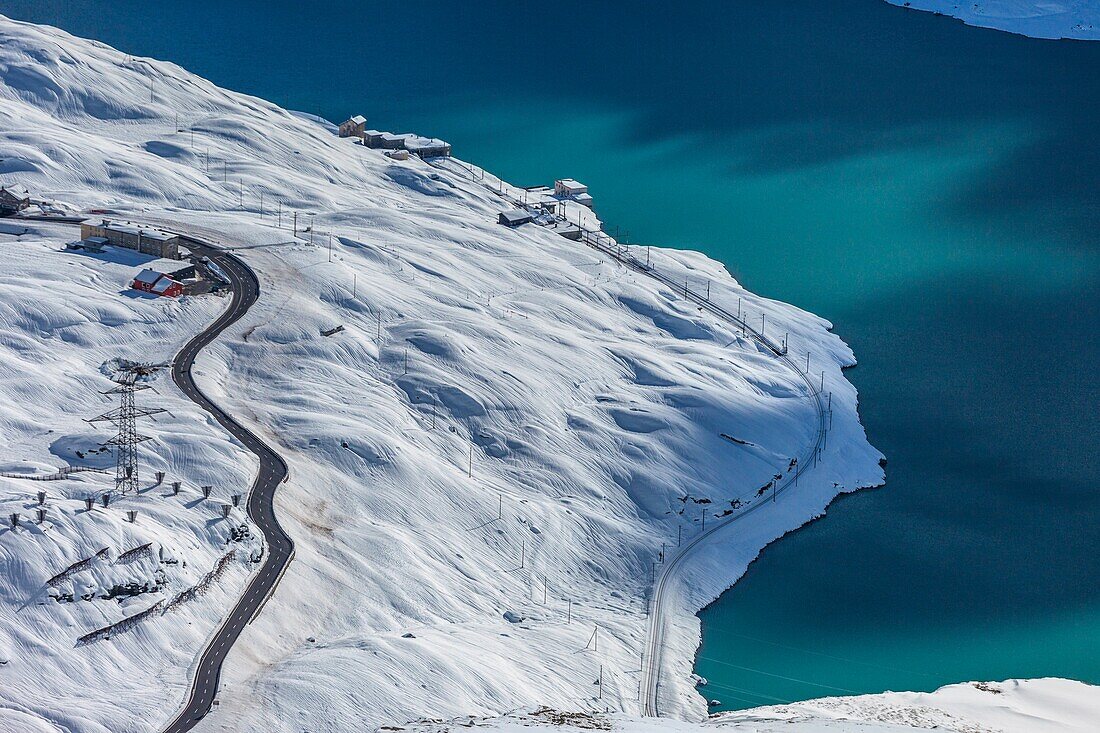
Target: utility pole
x,y
569,611
295,223
679,532
703,516
261,203
125,419
225,171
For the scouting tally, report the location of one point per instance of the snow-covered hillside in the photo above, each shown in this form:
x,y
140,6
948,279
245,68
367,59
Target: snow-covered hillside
x,y
1079,19
1015,706
65,320
485,462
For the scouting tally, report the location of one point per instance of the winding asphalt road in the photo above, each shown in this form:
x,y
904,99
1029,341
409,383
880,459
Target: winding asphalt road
x,y
273,471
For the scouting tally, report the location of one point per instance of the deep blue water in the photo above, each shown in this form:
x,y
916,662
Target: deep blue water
x,y
932,189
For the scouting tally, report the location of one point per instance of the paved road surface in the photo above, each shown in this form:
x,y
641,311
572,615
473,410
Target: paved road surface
x,y
273,470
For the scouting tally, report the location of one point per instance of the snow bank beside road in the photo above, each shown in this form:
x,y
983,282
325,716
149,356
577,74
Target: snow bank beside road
x,y
1078,19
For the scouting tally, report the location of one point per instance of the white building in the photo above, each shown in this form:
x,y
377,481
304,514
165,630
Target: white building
x,y
569,188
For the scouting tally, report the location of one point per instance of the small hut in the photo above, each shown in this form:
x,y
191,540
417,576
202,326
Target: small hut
x,y
12,201
354,127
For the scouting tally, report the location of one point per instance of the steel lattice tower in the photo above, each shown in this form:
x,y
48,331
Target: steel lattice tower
x,y
125,419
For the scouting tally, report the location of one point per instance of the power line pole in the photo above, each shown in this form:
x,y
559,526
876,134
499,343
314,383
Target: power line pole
x,y
127,437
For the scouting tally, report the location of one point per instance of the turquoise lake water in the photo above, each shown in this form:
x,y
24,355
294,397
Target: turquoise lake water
x,y
932,189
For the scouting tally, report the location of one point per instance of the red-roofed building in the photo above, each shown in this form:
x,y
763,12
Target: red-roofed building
x,y
151,281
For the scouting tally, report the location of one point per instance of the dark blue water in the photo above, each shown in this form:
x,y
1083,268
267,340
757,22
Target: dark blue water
x,y
933,189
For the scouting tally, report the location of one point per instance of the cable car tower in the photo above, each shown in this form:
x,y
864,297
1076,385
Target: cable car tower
x,y
125,419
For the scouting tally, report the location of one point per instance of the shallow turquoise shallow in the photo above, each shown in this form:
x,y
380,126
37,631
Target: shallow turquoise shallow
x,y
932,189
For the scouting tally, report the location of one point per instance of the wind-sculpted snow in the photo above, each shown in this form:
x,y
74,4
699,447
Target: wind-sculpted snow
x,y
477,420
65,320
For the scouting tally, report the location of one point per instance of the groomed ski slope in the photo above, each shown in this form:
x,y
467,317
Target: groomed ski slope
x,y
480,370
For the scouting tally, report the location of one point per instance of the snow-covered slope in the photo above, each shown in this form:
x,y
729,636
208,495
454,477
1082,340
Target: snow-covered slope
x,y
1079,19
1015,706
485,462
65,320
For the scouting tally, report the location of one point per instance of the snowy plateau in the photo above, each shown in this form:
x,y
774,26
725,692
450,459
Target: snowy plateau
x,y
494,437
